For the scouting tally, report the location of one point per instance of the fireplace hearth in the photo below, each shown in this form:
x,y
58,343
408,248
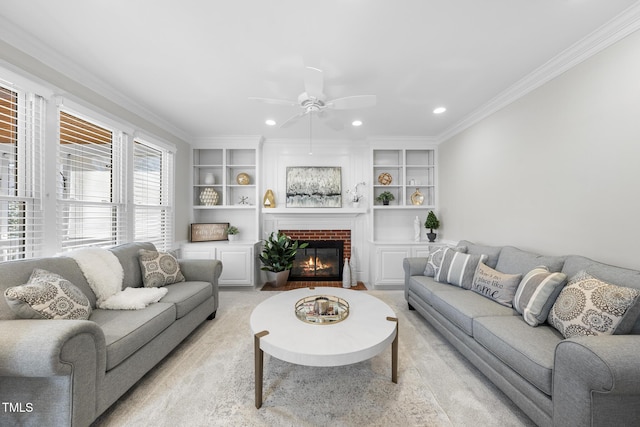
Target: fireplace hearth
x,y
322,260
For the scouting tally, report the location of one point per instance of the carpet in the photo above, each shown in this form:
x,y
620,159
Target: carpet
x,y
209,381
299,284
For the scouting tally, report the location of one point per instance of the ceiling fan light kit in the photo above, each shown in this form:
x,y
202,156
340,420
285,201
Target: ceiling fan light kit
x,y
313,101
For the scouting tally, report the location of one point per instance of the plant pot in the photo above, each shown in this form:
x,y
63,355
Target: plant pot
x,y
233,237
432,236
278,278
385,202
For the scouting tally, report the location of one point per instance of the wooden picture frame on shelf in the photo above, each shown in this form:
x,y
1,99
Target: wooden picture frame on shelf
x,y
208,232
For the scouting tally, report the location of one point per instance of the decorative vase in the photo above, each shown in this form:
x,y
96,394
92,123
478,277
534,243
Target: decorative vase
x,y
417,198
209,179
269,200
356,204
346,274
416,229
278,278
432,236
352,270
209,197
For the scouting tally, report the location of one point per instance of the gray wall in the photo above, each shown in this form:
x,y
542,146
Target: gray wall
x,y
558,171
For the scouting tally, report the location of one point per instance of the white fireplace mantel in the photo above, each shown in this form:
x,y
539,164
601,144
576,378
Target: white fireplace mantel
x,y
276,219
314,211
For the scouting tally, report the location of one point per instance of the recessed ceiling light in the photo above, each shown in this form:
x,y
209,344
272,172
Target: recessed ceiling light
x,y
356,123
270,122
439,110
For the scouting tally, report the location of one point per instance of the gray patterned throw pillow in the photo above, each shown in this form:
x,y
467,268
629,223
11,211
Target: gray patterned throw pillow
x,y
159,268
589,306
495,285
48,296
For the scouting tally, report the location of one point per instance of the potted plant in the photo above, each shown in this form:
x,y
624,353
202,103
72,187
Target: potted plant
x,y
432,223
232,233
278,254
385,197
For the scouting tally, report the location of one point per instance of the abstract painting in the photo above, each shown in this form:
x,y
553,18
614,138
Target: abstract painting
x,y
314,187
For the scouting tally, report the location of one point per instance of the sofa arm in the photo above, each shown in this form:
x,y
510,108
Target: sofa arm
x,y
596,380
44,348
54,366
203,270
412,267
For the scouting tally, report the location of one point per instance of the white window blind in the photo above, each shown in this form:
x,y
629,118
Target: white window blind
x,y
21,169
152,194
90,193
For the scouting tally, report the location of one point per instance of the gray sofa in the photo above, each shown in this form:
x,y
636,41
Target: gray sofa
x,y
67,372
580,381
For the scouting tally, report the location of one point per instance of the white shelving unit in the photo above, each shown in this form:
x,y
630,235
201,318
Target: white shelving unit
x,y
238,204
413,170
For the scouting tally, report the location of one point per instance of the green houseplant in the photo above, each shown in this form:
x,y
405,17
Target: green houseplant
x,y
432,223
232,233
278,254
385,197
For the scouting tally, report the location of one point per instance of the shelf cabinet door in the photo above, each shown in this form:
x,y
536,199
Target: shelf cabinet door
x,y
237,264
389,270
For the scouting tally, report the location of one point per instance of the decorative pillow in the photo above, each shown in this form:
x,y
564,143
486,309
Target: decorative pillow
x,y
490,283
435,259
458,268
159,268
536,294
589,306
48,296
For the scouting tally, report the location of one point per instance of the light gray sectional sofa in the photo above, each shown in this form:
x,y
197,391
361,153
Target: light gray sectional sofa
x,y
67,372
579,381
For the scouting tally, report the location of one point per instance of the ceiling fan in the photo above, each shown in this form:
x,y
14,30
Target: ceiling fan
x,y
313,101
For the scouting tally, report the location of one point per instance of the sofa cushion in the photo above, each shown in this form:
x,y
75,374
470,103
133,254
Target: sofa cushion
x,y
492,252
528,351
495,285
159,268
458,268
424,287
187,296
589,306
611,274
126,331
434,260
127,254
48,296
461,307
515,261
536,294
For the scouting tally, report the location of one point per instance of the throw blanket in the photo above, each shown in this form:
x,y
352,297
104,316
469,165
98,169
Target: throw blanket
x,y
104,273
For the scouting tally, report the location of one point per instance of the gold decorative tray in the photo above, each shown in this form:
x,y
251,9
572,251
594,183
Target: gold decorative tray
x,y
322,309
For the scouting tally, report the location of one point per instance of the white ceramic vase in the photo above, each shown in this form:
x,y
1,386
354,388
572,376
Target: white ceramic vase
x,y
346,274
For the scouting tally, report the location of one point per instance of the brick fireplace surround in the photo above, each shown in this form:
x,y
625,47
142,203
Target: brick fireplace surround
x,y
307,235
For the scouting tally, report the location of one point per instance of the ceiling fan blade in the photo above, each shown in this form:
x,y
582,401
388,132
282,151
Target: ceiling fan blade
x,y
350,102
313,82
274,101
293,119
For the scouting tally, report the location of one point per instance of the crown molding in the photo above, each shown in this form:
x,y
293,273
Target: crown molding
x,y
613,31
40,52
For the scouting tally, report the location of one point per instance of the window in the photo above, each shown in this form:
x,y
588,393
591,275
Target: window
x,y
152,198
21,136
90,196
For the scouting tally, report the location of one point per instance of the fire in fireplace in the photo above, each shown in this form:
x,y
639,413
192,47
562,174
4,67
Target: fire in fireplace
x,y
322,260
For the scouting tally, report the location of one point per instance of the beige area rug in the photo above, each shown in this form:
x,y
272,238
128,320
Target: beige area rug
x,y
209,381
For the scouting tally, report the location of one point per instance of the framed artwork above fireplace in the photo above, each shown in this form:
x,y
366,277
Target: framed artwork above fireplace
x,y
314,187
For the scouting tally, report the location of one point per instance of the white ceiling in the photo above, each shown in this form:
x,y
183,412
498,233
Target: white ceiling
x,y
194,63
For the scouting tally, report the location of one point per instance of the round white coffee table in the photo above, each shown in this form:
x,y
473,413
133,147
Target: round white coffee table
x,y
370,327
